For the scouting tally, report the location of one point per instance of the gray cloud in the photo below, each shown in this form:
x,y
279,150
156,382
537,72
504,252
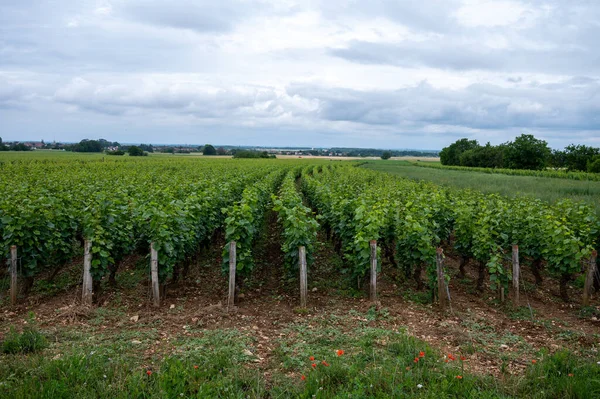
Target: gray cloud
x,y
570,105
454,54
328,71
200,16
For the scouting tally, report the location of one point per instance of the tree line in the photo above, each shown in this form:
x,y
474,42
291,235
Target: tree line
x,y
525,152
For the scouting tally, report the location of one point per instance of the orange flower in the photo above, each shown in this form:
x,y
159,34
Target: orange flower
x,y
446,360
416,360
451,357
196,367
570,374
324,363
533,361
148,372
312,358
314,366
459,377
303,378
340,352
421,354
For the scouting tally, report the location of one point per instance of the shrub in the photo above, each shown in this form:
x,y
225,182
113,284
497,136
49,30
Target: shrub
x,y
136,151
29,341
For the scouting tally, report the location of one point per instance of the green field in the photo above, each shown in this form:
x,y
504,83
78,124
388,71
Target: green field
x,y
546,189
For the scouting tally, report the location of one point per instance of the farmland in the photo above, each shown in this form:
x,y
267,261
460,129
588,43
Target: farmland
x,y
190,209
544,188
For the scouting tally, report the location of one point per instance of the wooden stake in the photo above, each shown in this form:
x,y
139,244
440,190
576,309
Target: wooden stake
x,y
516,274
13,275
502,294
373,244
87,294
303,288
589,279
154,275
232,266
440,278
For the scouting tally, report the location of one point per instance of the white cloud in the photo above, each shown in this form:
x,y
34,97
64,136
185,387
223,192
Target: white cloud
x,y
491,13
408,74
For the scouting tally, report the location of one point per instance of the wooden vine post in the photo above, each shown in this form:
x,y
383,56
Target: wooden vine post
x,y
87,294
154,275
13,275
303,279
373,245
440,278
232,266
516,274
589,279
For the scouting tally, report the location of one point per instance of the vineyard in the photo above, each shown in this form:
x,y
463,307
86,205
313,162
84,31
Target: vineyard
x,y
49,209
317,221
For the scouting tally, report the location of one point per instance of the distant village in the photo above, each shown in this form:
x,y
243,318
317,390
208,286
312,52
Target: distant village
x,y
115,148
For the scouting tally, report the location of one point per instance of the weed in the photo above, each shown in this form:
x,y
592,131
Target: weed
x,y
28,341
522,313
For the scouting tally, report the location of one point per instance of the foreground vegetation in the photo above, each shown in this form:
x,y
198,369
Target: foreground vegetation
x,y
312,358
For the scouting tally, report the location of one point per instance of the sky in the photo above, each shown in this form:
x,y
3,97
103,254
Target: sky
x,y
319,73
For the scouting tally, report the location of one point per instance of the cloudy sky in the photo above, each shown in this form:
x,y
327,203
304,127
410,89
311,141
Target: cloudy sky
x,y
372,73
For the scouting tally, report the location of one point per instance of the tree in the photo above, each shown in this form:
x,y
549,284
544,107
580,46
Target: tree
x,y
451,155
386,155
221,151
147,147
557,159
19,147
594,165
86,145
527,152
488,156
209,150
136,151
577,157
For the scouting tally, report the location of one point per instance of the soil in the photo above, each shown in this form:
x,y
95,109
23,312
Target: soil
x,y
477,325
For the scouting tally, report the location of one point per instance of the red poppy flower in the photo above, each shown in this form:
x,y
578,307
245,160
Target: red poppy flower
x,y
408,368
314,366
570,374
416,360
195,367
533,361
459,377
324,363
451,357
421,354
148,372
463,358
340,352
303,378
312,358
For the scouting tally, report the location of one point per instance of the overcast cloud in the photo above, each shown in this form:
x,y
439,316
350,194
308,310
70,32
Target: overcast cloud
x,y
378,73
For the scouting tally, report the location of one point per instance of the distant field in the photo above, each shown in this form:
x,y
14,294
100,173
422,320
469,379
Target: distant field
x,y
547,189
47,154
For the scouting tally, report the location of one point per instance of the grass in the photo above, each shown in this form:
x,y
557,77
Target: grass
x,y
547,189
306,362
